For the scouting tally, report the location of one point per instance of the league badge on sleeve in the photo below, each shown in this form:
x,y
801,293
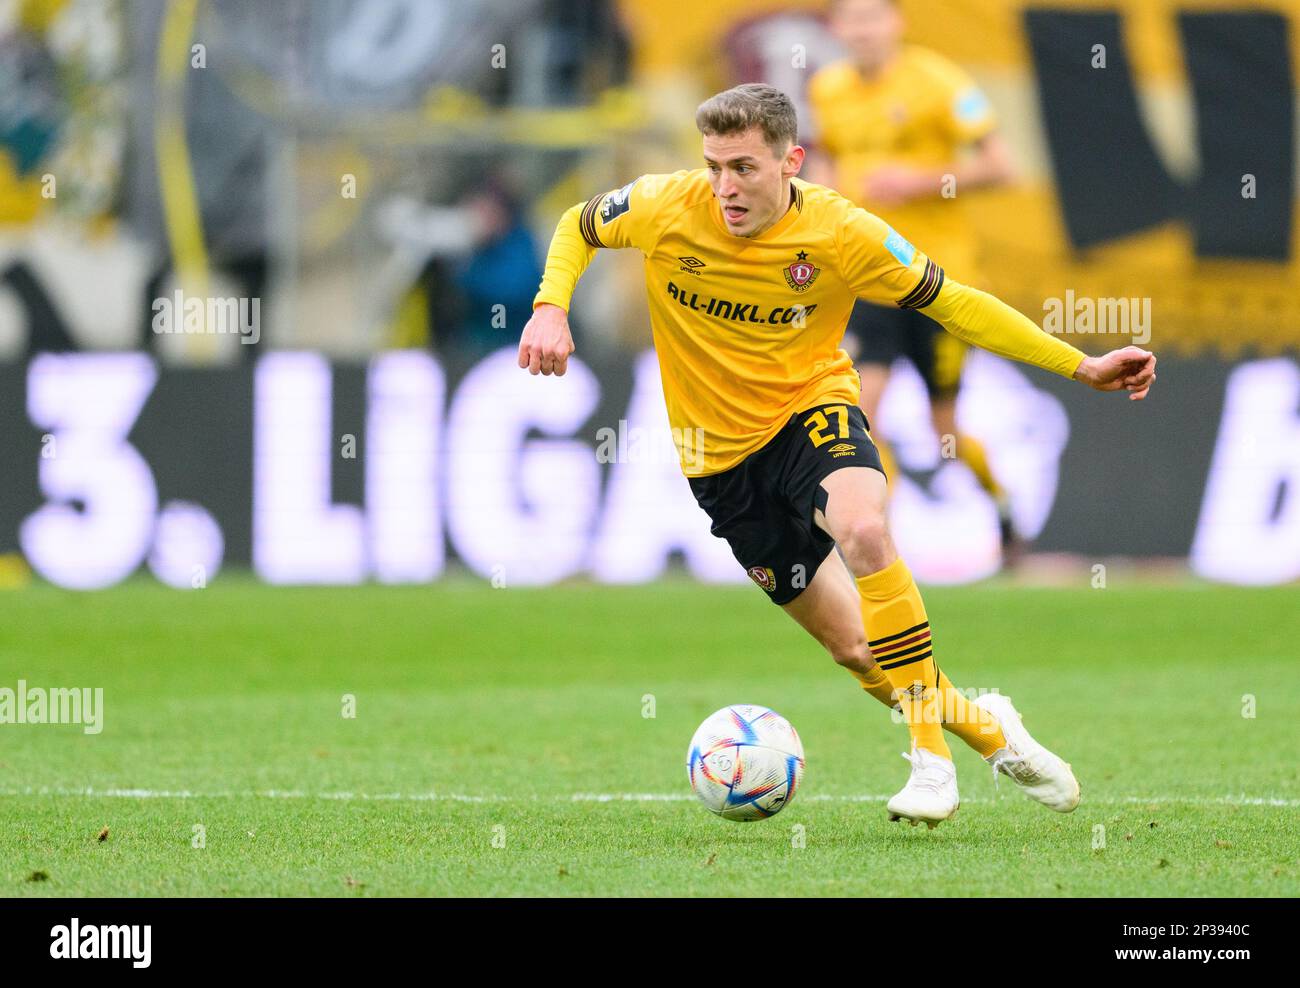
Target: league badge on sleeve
x,y
801,274
617,203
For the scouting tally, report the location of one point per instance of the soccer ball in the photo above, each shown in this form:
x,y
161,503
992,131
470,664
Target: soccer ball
x,y
745,762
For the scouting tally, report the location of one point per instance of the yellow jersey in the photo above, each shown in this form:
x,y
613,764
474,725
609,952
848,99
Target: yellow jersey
x,y
921,111
747,329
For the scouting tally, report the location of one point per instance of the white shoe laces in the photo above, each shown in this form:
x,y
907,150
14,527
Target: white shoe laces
x,y
1018,767
925,774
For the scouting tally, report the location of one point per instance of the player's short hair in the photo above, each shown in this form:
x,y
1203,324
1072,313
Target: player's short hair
x,y
751,105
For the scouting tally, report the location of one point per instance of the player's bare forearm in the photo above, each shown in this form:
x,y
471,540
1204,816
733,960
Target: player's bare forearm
x,y
987,166
546,343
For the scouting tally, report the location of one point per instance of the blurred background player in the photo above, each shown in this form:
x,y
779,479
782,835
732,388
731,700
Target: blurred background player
x,y
901,131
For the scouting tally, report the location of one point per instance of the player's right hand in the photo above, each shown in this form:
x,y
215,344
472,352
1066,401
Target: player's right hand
x,y
546,343
1130,368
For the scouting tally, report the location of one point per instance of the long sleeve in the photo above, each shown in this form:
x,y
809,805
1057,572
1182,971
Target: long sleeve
x,y
626,217
881,266
990,324
567,258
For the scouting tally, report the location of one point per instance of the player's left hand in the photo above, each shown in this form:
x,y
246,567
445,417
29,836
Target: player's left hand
x,y
1129,368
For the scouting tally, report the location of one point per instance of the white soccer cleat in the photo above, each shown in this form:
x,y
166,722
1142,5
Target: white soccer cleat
x,y
930,795
1041,775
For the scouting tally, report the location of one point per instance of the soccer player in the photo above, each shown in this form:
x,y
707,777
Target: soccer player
x,y
751,274
907,134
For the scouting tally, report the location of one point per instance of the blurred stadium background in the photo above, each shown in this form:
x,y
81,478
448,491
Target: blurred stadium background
x,y
381,177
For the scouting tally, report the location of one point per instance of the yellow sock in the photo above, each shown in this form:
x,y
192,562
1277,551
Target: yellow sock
x,y
971,452
898,634
876,683
974,725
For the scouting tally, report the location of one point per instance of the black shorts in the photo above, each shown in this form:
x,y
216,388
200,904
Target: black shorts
x,y
880,334
763,506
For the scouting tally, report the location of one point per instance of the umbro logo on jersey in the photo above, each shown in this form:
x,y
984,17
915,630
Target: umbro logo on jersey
x,y
801,274
842,449
691,265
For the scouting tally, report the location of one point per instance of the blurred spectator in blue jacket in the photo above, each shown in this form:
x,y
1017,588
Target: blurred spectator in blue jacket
x,y
498,280
476,261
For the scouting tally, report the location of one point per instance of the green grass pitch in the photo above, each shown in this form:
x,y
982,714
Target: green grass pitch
x,y
499,744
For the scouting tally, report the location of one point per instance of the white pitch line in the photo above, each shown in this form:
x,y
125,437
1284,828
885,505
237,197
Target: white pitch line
x,y
579,797
417,797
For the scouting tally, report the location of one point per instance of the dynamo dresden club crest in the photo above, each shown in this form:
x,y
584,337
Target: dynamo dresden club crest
x,y
801,274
